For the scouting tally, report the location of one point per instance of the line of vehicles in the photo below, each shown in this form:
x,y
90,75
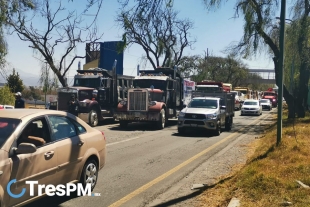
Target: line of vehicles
x,y
156,96
39,137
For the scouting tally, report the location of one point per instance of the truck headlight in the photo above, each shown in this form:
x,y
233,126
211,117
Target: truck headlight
x,y
83,104
123,102
181,114
152,103
211,116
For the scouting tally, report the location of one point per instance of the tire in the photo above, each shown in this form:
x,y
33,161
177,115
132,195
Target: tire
x,y
162,119
90,173
217,131
181,131
228,124
123,124
93,118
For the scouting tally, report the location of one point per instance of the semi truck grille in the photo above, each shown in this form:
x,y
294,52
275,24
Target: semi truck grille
x,y
137,101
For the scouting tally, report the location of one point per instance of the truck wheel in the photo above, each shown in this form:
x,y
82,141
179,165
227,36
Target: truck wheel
x,y
181,130
228,123
218,129
123,124
93,118
162,120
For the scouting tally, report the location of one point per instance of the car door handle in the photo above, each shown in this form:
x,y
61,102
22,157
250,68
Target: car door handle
x,y
48,154
81,143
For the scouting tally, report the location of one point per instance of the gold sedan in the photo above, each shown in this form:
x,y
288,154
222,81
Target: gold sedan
x,y
49,148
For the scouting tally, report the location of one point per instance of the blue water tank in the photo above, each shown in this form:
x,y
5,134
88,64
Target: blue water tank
x,y
109,53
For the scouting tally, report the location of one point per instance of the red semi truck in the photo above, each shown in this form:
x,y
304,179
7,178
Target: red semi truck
x,y
272,96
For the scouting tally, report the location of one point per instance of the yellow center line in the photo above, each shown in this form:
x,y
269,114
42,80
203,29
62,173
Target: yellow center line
x,y
175,169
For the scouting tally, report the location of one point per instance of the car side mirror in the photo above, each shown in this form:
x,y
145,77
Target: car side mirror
x,y
25,148
223,107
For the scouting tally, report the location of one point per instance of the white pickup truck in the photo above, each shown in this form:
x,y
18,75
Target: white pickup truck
x,y
208,111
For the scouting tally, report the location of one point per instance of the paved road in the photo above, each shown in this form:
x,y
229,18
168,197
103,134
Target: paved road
x,y
142,163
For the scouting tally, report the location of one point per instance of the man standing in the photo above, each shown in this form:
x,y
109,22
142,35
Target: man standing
x,y
19,102
73,105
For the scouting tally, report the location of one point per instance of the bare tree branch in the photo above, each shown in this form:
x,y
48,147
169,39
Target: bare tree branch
x,y
162,35
61,34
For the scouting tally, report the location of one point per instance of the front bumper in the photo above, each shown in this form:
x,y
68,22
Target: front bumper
x,y
266,106
254,112
209,124
137,116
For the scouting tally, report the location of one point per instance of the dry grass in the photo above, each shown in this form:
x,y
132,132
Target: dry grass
x,y
269,177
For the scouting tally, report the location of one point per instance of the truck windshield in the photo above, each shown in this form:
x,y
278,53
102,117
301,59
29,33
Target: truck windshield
x,y
203,103
147,83
208,89
269,94
87,82
7,127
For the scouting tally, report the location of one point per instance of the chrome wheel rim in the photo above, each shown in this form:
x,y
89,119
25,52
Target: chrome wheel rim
x,y
91,174
163,119
94,118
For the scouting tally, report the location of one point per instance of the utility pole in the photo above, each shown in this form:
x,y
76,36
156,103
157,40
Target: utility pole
x,y
46,82
280,78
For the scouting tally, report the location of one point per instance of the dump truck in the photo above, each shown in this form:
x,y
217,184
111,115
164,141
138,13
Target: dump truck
x,y
156,96
98,91
212,86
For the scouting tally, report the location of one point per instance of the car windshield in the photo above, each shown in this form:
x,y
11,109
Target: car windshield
x,y
7,127
252,103
264,101
203,103
147,83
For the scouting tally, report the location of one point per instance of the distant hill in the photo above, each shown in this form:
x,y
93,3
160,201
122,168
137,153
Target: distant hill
x,y
30,79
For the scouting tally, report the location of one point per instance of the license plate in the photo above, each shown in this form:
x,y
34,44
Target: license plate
x,y
137,114
193,125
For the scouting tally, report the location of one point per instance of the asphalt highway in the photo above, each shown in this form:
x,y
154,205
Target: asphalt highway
x,y
149,167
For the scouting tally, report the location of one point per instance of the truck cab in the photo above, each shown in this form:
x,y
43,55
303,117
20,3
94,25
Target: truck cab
x,y
98,90
156,96
207,111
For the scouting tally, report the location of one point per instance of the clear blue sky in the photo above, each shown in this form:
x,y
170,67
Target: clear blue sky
x,y
213,30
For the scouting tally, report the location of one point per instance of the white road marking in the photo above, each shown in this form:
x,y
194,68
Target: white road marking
x,y
126,140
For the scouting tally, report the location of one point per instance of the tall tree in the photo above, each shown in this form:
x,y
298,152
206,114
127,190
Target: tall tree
x,y
259,32
301,13
8,7
6,96
64,30
162,35
14,82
